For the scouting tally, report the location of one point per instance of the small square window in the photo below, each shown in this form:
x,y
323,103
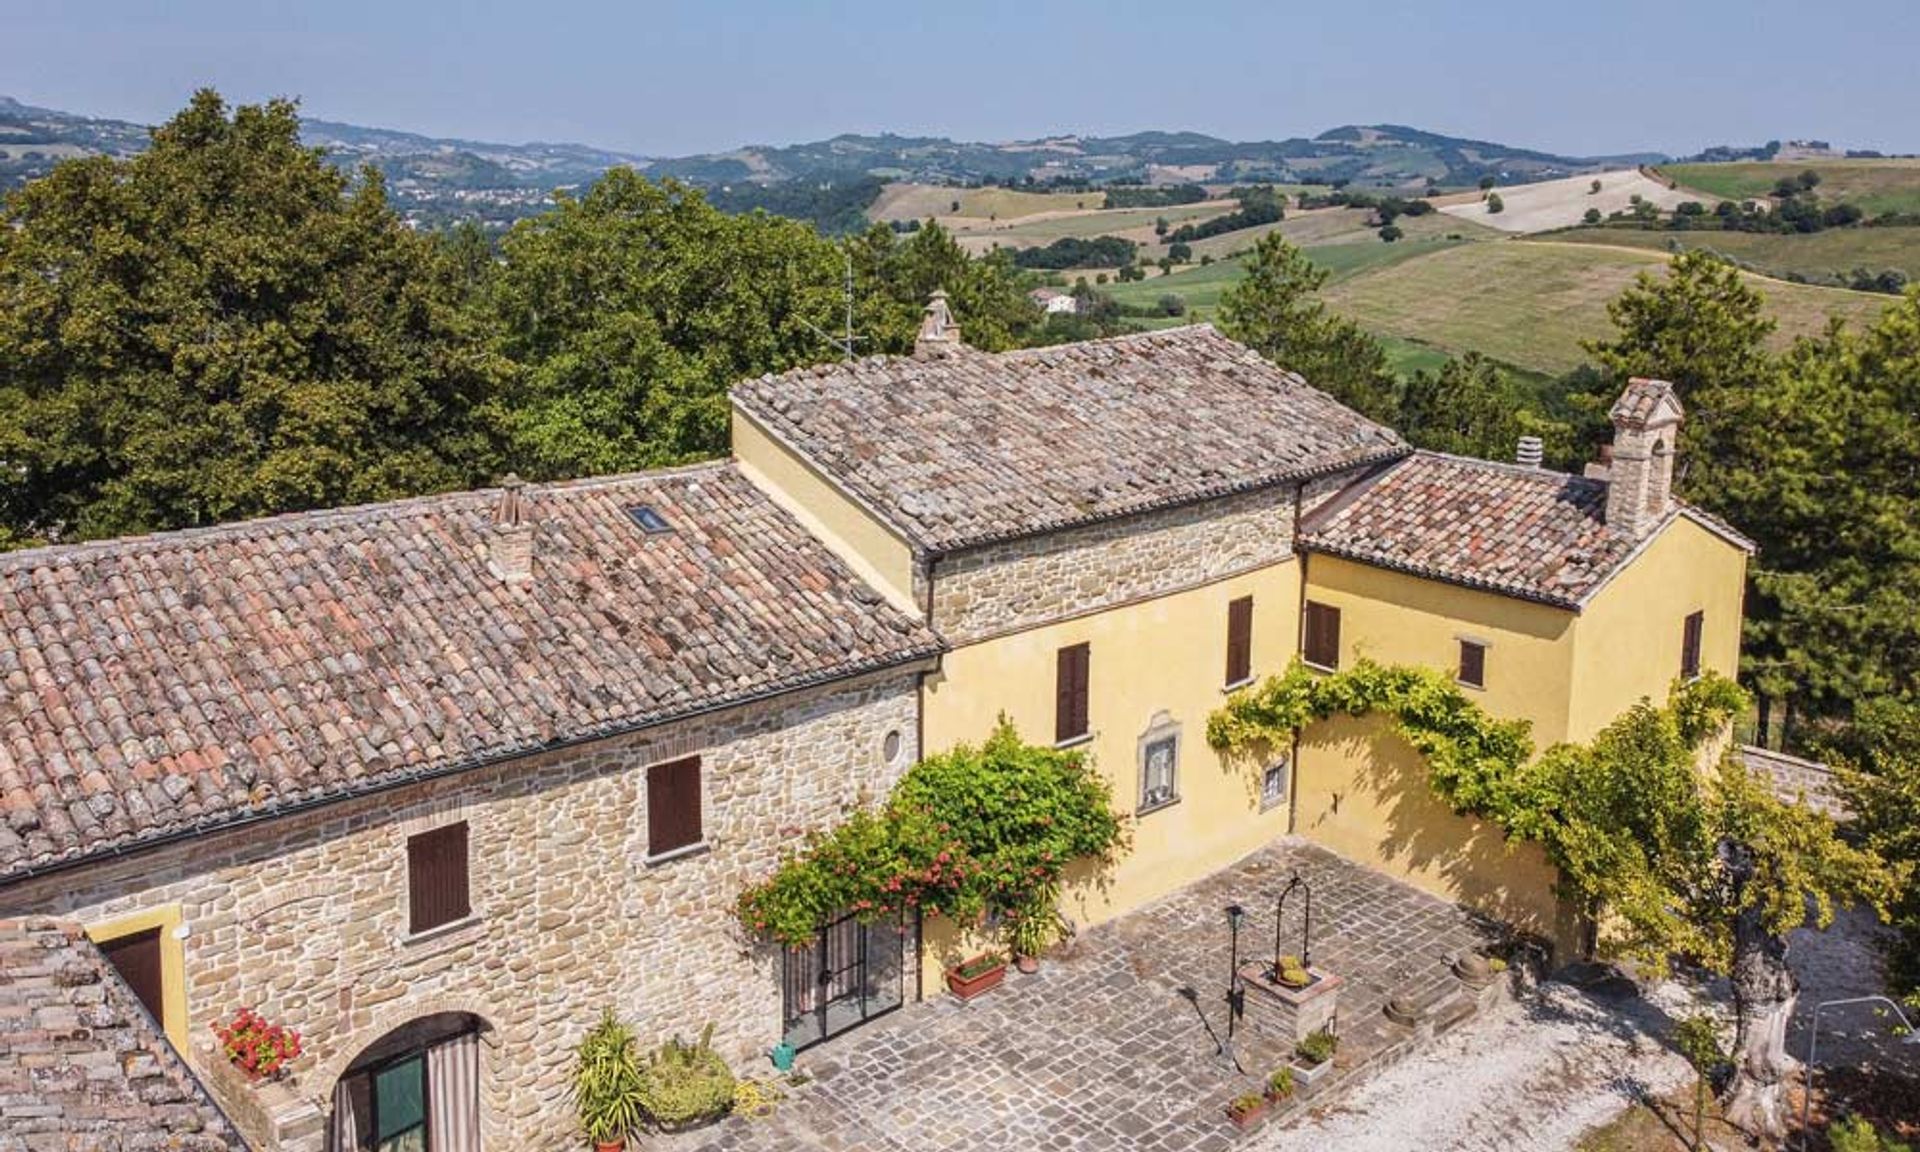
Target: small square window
x,y
673,807
1273,785
1473,664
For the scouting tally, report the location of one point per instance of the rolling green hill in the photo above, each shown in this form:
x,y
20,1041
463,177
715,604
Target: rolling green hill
x,y
1820,257
1875,186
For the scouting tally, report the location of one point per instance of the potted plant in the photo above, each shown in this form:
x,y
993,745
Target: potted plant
x,y
1293,973
605,1084
1246,1111
977,976
1313,1057
1027,937
684,1086
260,1049
1279,1085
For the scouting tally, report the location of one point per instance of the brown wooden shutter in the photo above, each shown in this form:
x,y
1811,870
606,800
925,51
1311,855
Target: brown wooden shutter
x,y
437,877
1070,694
136,957
1690,645
1321,642
673,806
1240,640
1473,664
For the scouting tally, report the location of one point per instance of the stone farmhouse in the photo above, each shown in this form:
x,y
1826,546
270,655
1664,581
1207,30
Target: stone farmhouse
x,y
434,781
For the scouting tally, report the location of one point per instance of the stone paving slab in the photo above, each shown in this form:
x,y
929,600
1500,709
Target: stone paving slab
x,y
1101,1049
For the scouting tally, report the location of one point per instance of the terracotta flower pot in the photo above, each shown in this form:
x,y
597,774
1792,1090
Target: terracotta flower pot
x,y
1244,1118
616,1145
1027,964
978,984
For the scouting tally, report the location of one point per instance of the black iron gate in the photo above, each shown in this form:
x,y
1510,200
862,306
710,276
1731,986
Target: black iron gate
x,y
851,973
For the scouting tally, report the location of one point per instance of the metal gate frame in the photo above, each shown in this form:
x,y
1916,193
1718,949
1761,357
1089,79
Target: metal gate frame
x,y
817,977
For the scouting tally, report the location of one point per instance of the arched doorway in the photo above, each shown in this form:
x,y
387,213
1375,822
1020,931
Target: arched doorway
x,y
416,1089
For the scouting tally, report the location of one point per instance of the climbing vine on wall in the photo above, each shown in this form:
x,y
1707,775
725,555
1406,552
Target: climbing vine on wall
x,y
1475,762
979,828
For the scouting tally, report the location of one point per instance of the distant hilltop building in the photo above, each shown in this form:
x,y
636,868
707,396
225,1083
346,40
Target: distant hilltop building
x,y
433,781
1052,301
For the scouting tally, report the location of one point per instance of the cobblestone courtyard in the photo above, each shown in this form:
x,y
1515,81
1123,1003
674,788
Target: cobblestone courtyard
x,y
1101,1049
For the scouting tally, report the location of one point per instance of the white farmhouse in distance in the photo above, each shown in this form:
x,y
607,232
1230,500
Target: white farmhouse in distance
x,y
1052,300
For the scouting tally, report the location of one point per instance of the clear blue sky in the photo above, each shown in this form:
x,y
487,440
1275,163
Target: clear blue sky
x,y
1596,76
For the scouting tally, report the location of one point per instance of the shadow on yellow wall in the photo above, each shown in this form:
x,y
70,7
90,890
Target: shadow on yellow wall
x,y
1364,793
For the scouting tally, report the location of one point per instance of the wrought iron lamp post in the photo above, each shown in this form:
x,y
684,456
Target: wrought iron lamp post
x,y
1813,1048
1235,993
1306,926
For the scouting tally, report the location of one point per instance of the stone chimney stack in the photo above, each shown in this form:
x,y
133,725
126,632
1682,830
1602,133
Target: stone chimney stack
x,y
1646,432
939,335
510,545
1530,452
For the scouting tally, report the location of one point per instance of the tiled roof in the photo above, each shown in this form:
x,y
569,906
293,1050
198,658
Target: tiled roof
x,y
1505,528
974,447
161,684
81,1063
1642,399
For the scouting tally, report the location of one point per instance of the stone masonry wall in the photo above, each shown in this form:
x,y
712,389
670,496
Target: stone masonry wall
x,y
1001,587
1797,780
305,917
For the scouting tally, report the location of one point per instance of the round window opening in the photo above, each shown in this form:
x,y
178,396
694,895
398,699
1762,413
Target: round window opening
x,y
890,747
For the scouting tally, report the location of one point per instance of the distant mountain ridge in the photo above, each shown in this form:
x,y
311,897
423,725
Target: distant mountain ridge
x,y
441,178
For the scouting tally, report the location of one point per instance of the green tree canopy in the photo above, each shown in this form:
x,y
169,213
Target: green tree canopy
x,y
220,327
632,308
893,278
1274,310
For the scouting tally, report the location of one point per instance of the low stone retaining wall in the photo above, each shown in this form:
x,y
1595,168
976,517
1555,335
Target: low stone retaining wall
x,y
1802,781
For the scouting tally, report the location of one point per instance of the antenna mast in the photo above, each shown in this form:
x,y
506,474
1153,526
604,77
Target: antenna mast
x,y
847,342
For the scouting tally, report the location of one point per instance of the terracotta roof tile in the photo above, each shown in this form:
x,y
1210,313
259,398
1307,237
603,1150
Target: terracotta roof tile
x,y
975,447
1505,528
81,1063
157,684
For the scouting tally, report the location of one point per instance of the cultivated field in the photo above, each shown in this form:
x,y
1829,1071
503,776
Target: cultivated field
x,y
1815,255
1530,304
1875,186
1134,224
1561,203
920,201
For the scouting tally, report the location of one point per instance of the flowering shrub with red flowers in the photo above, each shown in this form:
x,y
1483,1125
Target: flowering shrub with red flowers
x,y
257,1047
981,828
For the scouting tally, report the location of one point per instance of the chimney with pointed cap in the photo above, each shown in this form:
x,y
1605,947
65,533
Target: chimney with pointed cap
x,y
510,543
939,335
1646,433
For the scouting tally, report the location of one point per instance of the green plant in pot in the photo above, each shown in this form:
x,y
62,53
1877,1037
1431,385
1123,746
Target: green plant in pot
x,y
1028,934
605,1084
685,1085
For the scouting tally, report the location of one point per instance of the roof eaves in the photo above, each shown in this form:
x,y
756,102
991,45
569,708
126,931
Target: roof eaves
x,y
1441,575
165,834
947,546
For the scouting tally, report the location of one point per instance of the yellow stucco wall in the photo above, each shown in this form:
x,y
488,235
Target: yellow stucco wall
x,y
875,552
1166,654
1362,792
1628,637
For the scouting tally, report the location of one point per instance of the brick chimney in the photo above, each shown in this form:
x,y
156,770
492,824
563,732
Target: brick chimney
x,y
1646,431
939,335
510,542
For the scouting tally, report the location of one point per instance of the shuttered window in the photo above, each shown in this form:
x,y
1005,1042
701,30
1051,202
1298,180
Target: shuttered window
x,y
1070,697
136,957
1690,645
673,806
1240,640
1473,664
1320,636
437,878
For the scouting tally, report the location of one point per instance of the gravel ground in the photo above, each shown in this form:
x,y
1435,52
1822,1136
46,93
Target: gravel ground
x,y
1537,1074
1532,1076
